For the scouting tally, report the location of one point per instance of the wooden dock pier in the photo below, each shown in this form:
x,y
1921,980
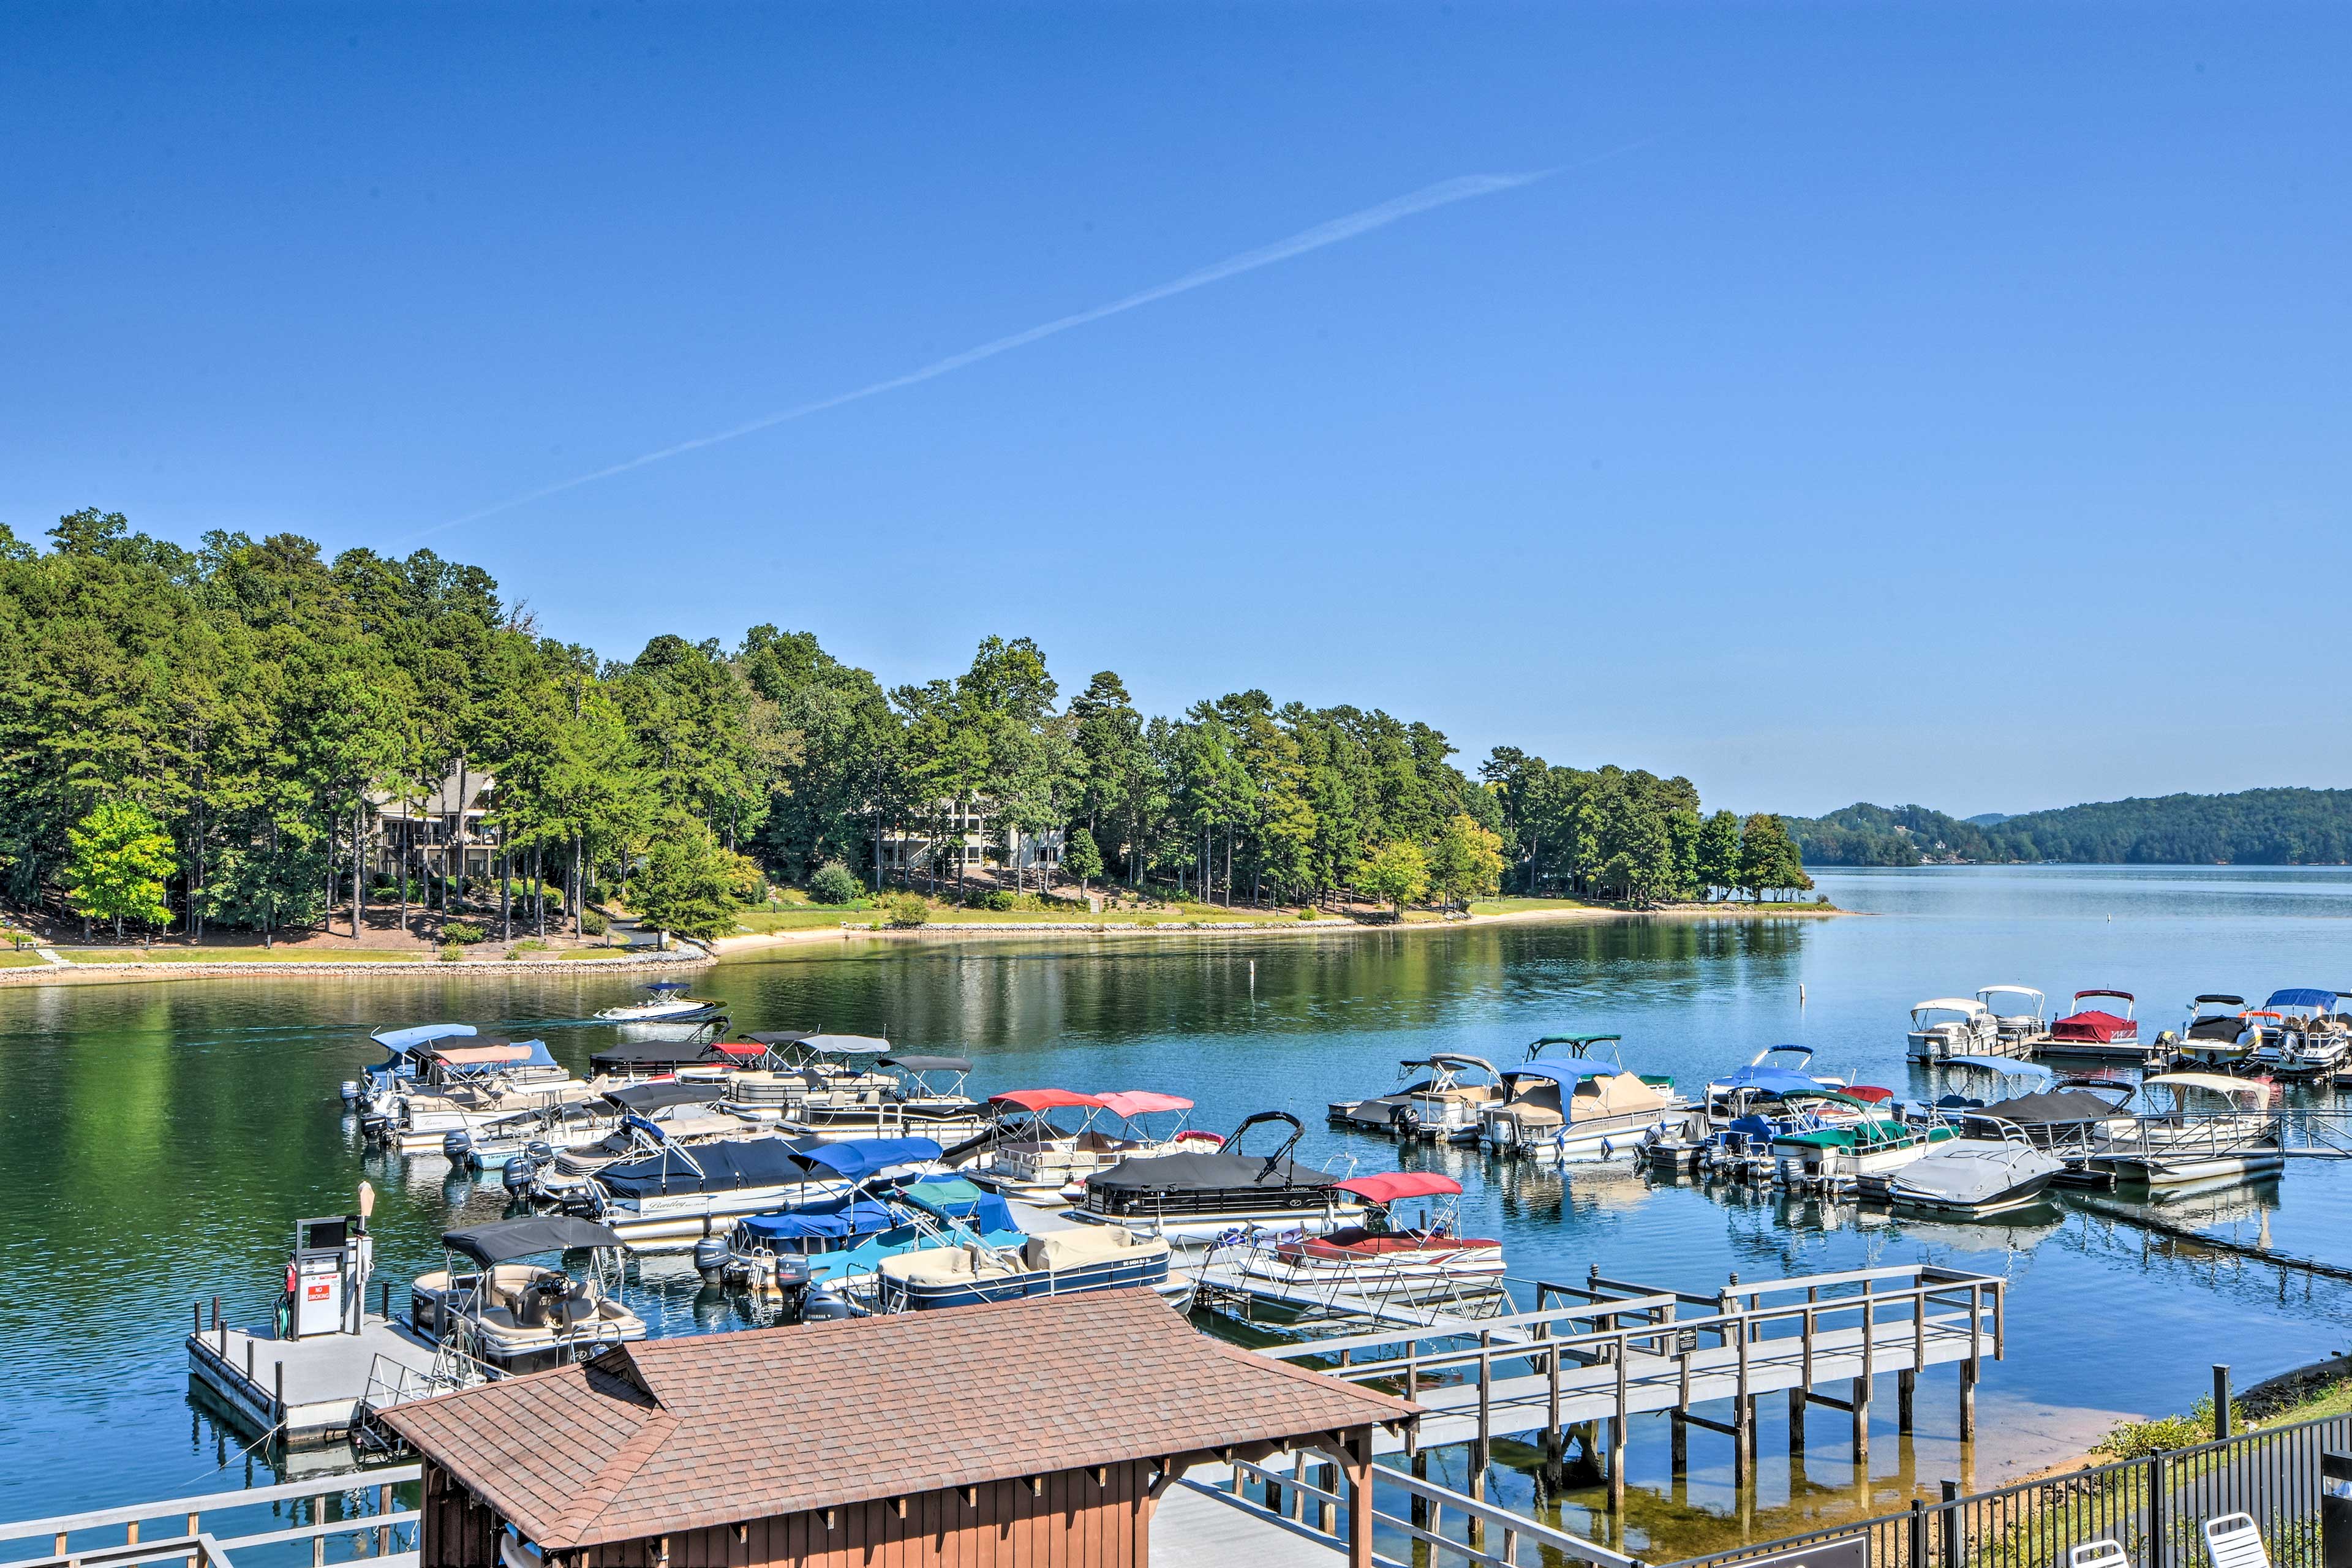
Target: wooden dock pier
x,y
1617,1350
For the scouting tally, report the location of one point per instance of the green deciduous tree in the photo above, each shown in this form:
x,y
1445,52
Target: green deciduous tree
x,y
117,859
1397,873
1466,860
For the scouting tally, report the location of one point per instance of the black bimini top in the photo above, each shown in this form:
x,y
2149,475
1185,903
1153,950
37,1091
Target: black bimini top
x,y
2052,1108
642,1097
503,1240
1206,1172
2224,1001
655,1055
726,1166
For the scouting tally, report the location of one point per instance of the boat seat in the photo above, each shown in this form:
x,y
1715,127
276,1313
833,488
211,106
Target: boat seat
x,y
1076,1247
2106,1552
499,1318
2235,1541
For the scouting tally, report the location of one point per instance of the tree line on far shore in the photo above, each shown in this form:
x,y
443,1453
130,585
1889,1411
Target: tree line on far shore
x,y
204,736
2253,827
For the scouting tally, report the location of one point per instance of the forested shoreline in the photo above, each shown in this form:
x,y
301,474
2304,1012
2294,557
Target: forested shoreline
x,y
2253,827
202,737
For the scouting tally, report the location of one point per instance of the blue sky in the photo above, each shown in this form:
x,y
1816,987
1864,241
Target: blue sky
x,y
1879,402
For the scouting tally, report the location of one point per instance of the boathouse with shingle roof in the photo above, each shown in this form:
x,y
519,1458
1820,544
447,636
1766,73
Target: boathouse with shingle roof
x,y
1036,1432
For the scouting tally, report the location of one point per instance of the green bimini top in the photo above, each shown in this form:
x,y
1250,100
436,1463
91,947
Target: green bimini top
x,y
1873,1134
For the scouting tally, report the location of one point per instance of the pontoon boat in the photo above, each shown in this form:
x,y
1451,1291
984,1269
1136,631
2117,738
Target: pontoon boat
x,y
1574,1110
2303,1034
926,1099
1191,1199
1442,1104
669,1199
1950,1027
1382,1260
2020,1018
2190,1126
518,1316
2098,1033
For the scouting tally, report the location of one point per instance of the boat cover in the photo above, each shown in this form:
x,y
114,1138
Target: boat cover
x,y
642,1097
834,1219
1141,1102
854,1159
1035,1100
726,1165
657,1054
2302,996
1207,1173
846,1045
2053,1107
1391,1185
1566,1074
927,1064
502,1241
2228,1027
419,1035
496,1053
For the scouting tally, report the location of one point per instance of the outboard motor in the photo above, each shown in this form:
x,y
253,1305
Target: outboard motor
x,y
350,1091
711,1255
456,1144
539,1153
821,1304
521,1175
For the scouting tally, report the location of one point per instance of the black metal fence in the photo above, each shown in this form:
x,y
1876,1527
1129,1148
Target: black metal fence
x,y
2154,1507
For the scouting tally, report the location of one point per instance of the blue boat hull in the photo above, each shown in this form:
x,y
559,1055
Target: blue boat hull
x,y
1112,1274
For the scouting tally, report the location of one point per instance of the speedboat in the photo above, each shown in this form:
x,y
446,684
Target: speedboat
x,y
491,1306
1383,1259
1194,1199
1442,1104
671,1198
926,1099
2192,1126
1969,1176
2302,1034
1950,1027
2218,1033
2020,1019
665,1001
2098,1033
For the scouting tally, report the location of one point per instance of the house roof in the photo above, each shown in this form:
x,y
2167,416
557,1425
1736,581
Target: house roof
x,y
675,1434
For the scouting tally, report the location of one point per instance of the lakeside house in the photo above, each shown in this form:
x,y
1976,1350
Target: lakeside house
x,y
430,832
965,831
1033,1432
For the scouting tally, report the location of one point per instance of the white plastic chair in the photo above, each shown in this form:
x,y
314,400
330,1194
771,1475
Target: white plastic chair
x,y
2107,1552
2235,1541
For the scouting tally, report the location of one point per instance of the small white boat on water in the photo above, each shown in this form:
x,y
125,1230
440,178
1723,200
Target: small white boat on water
x,y
665,1001
2019,1017
1030,1157
1945,1027
2218,1033
2102,1027
1386,1260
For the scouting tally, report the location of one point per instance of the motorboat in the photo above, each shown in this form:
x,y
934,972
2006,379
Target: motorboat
x,y
1027,1155
1192,1198
2218,1033
490,1305
370,1095
1951,1026
2189,1127
2099,1033
671,1198
1385,1260
1733,1126
1970,1176
1574,1110
826,1254
1797,1060
793,1068
665,1001
2020,1017
924,1098
1058,1262
1816,1151
682,1111
1443,1102
470,1086
2303,1036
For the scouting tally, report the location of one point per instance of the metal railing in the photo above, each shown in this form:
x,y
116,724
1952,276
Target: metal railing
x,y
364,1510
1439,1527
2153,1507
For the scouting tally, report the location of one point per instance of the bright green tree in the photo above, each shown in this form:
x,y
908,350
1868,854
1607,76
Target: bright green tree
x,y
1466,860
117,860
1719,853
688,883
1082,857
1397,873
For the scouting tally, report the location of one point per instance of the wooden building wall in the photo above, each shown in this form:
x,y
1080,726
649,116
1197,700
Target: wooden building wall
x,y
452,1530
1070,1522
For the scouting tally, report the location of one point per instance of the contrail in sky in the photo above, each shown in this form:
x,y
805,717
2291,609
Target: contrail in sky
x,y
1445,193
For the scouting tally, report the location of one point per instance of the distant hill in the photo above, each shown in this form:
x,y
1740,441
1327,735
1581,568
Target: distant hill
x,y
2256,828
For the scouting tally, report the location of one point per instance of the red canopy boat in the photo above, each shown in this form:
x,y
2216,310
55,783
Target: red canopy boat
x,y
2097,1026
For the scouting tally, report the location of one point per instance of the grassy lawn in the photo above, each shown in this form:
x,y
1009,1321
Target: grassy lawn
x,y
11,958
1522,905
813,917
253,954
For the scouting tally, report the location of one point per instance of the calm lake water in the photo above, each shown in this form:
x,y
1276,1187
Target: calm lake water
x,y
157,1141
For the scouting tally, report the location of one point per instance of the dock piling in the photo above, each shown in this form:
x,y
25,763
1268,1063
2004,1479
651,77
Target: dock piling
x,y
277,1391
1796,1422
1968,1402
1677,1444
1906,1388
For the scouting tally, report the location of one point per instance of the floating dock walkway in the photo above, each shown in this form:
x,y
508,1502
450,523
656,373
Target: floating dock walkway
x,y
307,1391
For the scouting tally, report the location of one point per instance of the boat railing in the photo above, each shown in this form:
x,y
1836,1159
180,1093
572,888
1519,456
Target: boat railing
x,y
373,1511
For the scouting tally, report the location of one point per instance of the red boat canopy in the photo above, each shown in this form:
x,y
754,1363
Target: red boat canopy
x,y
1044,1099
1141,1102
2092,1025
1870,1093
745,1048
1388,1187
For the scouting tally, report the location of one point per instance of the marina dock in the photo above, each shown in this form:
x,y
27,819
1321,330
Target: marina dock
x,y
306,1390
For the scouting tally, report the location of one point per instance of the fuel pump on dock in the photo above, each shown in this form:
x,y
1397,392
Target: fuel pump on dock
x,y
326,1280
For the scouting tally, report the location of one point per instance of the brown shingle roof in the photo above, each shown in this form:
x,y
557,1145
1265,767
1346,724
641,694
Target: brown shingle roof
x,y
774,1421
